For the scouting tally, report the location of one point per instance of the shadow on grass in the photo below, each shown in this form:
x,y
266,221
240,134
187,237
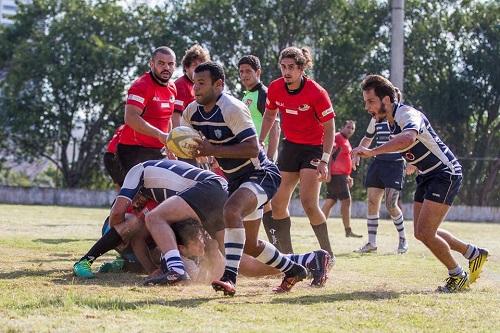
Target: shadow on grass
x,y
121,304
338,297
62,240
101,279
27,273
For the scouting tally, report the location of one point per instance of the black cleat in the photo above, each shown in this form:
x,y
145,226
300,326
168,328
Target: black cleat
x,y
319,268
298,274
169,278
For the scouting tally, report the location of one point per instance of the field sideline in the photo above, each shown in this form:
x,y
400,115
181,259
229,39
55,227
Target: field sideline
x,y
377,292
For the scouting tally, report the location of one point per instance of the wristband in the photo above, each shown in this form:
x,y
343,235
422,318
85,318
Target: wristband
x,y
325,157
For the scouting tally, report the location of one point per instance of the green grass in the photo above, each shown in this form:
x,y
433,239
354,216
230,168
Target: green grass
x,y
382,292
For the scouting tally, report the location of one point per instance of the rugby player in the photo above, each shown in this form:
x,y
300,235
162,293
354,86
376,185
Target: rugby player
x,y
307,120
255,99
438,182
231,138
148,109
340,173
384,179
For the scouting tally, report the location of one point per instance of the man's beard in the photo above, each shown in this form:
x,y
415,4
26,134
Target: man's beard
x,y
159,78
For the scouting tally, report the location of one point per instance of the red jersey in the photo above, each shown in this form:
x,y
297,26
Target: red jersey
x,y
157,103
341,163
302,112
185,93
114,140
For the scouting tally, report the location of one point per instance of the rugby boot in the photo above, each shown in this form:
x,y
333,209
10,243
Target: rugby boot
x,y
225,285
476,265
403,246
294,275
455,284
319,268
170,278
367,248
82,269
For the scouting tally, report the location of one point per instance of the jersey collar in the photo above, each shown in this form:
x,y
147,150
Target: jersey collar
x,y
256,87
158,81
296,91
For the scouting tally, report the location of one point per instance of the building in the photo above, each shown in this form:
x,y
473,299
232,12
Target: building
x,y
8,8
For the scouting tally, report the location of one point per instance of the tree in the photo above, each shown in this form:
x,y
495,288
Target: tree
x,y
67,65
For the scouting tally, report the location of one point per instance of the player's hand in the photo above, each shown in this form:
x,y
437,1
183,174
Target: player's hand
x,y
204,148
350,181
355,161
410,169
322,169
362,152
162,136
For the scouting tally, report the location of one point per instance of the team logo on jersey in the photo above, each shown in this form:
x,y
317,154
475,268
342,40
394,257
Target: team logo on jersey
x,y
156,99
304,107
218,133
248,102
172,99
280,104
409,156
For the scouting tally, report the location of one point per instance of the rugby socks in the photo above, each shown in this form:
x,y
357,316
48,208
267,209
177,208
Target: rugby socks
x,y
372,223
172,261
321,232
108,241
283,227
398,223
472,252
457,271
301,259
272,257
271,229
234,242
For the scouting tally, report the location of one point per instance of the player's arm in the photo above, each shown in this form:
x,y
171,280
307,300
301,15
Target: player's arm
x,y
268,120
117,214
328,143
246,149
137,123
397,143
176,119
274,138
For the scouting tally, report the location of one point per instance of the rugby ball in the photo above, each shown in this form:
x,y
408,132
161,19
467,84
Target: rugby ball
x,y
181,141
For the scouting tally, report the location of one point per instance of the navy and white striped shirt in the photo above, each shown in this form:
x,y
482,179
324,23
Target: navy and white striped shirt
x,y
381,132
428,153
161,179
228,123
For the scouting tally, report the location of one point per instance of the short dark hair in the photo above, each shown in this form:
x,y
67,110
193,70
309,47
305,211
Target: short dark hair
x,y
164,50
380,85
302,57
250,60
195,52
186,231
350,121
216,70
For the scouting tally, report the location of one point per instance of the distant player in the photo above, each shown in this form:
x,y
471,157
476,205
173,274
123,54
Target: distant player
x,y
255,99
384,179
307,120
438,182
231,138
194,56
338,188
148,109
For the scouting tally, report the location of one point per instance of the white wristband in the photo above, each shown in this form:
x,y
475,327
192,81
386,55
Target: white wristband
x,y
326,157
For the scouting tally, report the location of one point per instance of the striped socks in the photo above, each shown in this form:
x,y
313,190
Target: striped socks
x,y
398,223
472,252
172,261
272,257
234,242
372,223
301,259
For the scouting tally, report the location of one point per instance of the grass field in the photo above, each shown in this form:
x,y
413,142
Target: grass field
x,y
377,292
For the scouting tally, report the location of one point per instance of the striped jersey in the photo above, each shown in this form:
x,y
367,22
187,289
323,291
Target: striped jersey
x,y
161,179
428,153
381,133
228,123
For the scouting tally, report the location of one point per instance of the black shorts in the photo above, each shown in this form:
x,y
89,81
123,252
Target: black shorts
x,y
337,188
293,157
129,156
207,198
441,187
114,168
385,174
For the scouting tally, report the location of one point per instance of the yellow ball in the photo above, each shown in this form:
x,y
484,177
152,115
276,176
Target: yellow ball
x,y
181,141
